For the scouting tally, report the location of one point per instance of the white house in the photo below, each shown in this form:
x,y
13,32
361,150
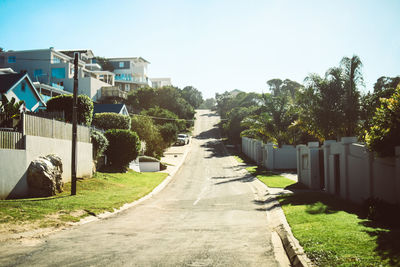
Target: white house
x,y
130,72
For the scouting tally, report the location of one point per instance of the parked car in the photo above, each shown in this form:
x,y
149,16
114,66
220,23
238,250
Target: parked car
x,y
182,139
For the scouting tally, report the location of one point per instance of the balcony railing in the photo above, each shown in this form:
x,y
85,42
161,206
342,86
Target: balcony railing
x,y
113,92
129,78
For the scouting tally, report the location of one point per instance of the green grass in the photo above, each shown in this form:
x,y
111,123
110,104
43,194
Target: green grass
x,y
332,232
104,192
269,178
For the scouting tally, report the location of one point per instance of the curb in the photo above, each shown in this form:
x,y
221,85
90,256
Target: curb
x,y
294,251
279,224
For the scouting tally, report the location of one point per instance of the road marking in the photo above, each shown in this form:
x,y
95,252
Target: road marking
x,y
200,195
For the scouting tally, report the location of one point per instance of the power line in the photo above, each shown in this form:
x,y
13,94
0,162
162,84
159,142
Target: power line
x,y
161,118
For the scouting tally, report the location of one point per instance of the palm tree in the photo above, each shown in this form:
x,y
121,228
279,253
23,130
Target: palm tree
x,y
352,76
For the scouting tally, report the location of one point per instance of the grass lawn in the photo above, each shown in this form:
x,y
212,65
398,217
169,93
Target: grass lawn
x,y
104,192
333,234
269,178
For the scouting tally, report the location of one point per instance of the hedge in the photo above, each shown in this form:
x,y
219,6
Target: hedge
x,y
123,147
64,103
99,142
108,120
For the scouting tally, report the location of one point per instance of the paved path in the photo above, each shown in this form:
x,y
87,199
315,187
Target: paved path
x,y
211,214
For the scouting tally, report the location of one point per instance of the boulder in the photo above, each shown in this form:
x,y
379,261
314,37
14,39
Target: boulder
x,y
44,176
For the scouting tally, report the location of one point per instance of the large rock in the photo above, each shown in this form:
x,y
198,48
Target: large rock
x,y
44,176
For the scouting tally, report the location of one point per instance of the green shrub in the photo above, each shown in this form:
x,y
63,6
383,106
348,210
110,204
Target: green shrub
x,y
168,131
64,103
108,120
148,132
383,135
99,142
123,147
147,159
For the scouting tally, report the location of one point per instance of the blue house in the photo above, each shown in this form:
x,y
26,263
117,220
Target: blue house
x,y
20,86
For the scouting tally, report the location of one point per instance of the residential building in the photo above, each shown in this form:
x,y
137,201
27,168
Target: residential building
x,y
112,108
160,82
130,72
20,87
56,68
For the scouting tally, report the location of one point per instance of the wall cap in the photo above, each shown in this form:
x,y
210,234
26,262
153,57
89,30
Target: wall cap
x,y
313,144
348,140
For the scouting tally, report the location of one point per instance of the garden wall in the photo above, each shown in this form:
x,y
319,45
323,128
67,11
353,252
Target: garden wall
x,y
14,163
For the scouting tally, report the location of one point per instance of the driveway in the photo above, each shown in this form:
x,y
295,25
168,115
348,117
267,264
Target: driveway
x,y
210,214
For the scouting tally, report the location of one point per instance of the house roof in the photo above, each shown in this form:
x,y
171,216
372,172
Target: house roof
x,y
128,58
7,81
101,108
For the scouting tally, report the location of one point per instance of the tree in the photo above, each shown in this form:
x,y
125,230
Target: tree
x,y
209,103
383,135
329,106
353,78
383,88
123,147
276,114
64,103
150,134
109,120
192,96
11,108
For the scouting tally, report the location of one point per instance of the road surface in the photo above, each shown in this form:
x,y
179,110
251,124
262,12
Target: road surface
x,y
209,215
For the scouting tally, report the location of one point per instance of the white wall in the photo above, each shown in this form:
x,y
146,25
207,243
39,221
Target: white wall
x,y
361,175
14,163
12,172
269,155
149,166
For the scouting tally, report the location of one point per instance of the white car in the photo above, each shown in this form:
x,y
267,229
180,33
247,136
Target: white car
x,y
182,139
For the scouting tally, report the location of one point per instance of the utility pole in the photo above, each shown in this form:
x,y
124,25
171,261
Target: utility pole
x,y
74,127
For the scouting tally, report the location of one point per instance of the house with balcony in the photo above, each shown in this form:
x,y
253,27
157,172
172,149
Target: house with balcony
x,y
160,82
130,72
56,69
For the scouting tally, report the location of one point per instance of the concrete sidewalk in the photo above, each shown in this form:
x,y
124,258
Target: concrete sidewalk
x,y
174,157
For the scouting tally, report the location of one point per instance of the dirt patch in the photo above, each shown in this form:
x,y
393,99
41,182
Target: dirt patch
x,y
27,231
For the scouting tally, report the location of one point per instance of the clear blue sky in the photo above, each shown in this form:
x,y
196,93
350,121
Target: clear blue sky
x,y
216,45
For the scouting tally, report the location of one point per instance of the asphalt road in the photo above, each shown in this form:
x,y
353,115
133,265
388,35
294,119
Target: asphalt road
x,y
209,215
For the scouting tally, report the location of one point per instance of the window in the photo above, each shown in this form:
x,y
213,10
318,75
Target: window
x,y
127,87
58,73
12,59
121,64
23,86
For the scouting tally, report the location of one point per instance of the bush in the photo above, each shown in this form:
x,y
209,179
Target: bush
x,y
64,103
123,147
149,133
147,159
99,142
383,135
108,120
168,131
